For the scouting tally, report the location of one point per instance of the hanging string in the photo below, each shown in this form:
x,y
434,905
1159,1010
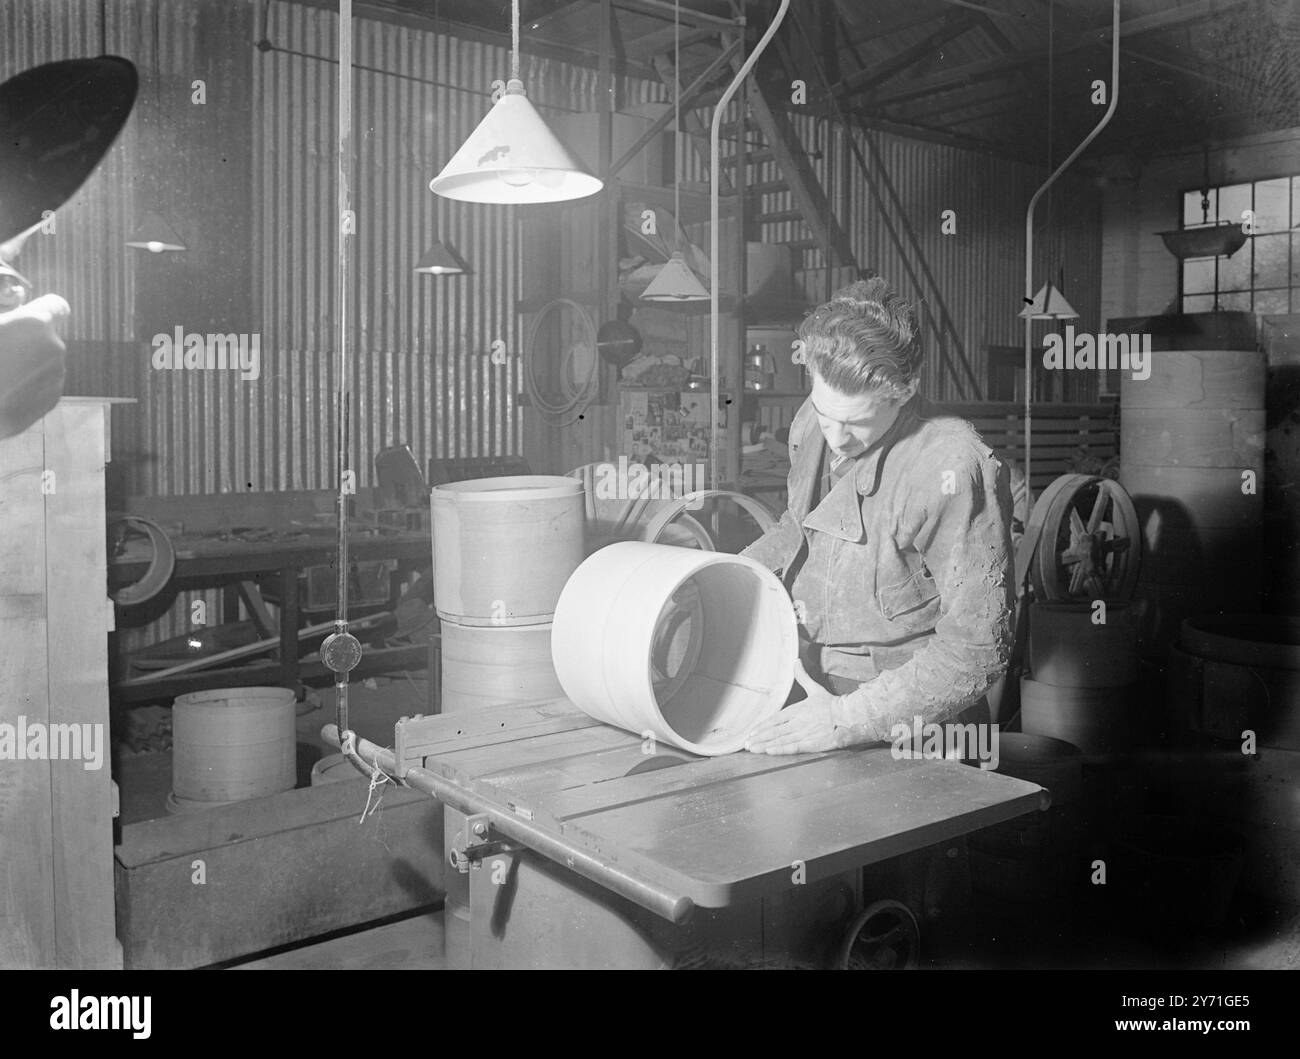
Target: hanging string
x,y
514,40
677,126
1052,251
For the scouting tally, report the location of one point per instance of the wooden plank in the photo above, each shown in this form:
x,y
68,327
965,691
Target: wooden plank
x,y
27,862
697,774
740,839
271,886
415,738
85,937
502,759
181,834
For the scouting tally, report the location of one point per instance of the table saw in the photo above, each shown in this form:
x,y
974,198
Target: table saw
x,y
584,846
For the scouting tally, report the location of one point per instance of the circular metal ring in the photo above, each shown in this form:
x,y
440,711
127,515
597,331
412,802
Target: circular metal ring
x,y
161,565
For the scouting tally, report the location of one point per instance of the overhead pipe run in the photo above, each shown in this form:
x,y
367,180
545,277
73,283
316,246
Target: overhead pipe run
x,y
715,221
1029,235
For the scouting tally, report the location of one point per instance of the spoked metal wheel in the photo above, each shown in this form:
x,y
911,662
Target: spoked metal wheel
x,y
885,936
1090,546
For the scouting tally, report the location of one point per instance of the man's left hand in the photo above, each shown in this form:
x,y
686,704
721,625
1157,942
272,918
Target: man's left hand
x,y
801,728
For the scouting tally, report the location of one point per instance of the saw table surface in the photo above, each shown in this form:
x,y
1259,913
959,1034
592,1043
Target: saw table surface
x,y
714,830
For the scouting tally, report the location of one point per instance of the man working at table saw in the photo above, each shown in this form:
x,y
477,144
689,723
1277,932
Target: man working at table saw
x,y
895,545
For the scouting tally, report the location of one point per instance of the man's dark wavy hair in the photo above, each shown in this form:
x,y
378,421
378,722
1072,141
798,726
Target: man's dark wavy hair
x,y
864,340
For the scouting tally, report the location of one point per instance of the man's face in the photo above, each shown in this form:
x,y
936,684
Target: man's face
x,y
851,424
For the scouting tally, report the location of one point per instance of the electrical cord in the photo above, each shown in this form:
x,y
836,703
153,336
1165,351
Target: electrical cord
x,y
574,397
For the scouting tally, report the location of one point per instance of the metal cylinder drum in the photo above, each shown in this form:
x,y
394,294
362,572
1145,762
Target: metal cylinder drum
x,y
1192,455
504,547
1096,720
229,744
693,647
1067,648
486,666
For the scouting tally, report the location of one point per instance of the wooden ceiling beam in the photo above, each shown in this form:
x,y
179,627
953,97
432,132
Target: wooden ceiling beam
x,y
865,80
988,69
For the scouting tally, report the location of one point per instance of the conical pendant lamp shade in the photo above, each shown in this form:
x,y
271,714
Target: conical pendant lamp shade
x,y
513,157
441,259
1049,304
155,235
675,282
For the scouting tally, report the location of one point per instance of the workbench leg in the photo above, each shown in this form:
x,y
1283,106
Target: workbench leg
x,y
229,603
289,627
455,905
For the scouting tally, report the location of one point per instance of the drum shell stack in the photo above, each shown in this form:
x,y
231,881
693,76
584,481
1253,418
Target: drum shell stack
x,y
1083,675
1192,456
503,549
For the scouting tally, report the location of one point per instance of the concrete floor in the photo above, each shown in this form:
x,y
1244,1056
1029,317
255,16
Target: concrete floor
x,y
987,938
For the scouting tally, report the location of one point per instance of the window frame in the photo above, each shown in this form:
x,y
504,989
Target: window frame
x,y
1293,256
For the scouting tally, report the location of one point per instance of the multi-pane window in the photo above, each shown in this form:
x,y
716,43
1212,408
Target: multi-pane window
x,y
1264,275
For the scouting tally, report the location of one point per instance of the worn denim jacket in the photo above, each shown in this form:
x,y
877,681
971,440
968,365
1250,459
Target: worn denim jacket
x,y
909,563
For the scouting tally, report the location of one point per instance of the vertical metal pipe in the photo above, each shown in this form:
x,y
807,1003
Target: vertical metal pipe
x,y
1029,235
715,212
341,334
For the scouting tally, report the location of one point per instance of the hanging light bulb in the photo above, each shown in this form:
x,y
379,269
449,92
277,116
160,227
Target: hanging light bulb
x,y
675,282
155,235
441,259
513,157
1048,304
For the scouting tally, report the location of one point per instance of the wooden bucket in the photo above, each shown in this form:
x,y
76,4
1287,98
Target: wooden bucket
x,y
693,647
229,744
484,666
504,547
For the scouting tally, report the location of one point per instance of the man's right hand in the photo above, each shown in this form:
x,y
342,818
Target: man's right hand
x,y
31,362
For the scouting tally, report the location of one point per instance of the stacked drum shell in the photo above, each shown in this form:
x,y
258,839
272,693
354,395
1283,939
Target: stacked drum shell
x,y
1192,456
503,549
1084,674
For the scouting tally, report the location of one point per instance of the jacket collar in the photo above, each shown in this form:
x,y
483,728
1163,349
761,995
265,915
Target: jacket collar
x,y
840,512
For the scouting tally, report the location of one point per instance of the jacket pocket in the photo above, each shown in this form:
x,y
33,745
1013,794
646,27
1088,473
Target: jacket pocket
x,y
909,600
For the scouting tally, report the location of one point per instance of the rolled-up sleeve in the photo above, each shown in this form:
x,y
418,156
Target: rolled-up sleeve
x,y
962,508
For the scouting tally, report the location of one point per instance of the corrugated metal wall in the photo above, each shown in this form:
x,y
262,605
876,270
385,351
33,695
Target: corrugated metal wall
x,y
422,371
248,178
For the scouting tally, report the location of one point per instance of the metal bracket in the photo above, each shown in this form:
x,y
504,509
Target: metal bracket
x,y
475,844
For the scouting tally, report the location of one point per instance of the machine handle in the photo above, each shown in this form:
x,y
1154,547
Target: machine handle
x,y
673,907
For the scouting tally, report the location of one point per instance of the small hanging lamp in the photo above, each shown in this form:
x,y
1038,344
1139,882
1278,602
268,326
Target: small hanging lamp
x,y
675,282
513,157
1049,304
155,235
441,259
